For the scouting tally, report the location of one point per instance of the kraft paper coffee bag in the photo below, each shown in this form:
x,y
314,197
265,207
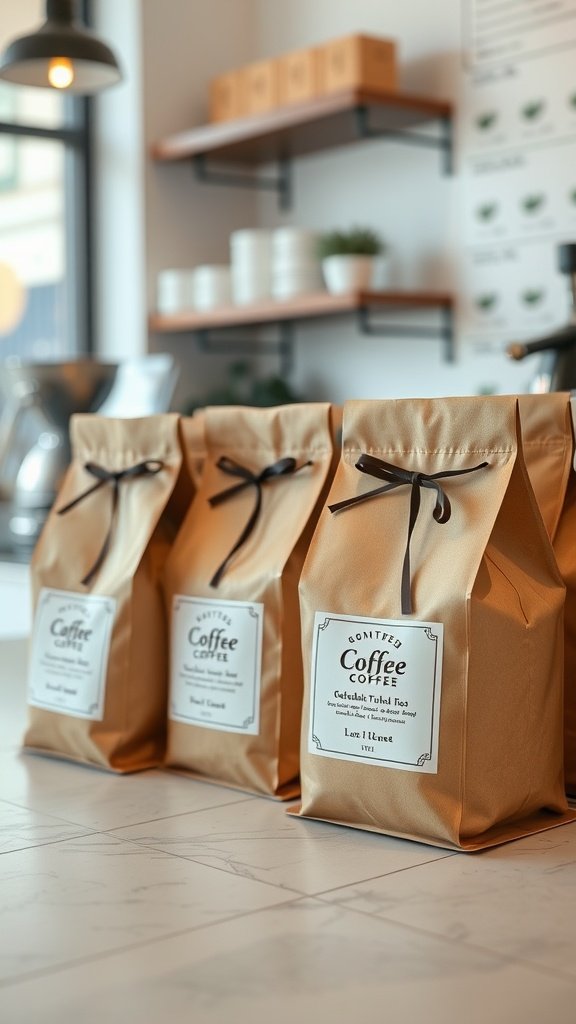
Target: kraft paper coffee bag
x,y
98,662
548,443
192,430
231,586
432,632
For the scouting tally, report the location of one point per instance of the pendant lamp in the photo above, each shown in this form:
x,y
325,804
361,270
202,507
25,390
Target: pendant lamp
x,y
63,54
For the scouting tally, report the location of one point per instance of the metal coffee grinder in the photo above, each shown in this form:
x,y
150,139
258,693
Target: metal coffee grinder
x,y
557,368
38,400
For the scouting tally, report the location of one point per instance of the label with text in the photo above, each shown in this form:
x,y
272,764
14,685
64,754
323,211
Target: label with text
x,y
375,691
216,658
69,653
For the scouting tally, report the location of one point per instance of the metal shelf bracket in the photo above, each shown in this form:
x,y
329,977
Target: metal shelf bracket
x,y
281,184
209,341
441,141
444,330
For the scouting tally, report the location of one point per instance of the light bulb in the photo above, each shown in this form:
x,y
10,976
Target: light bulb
x,y
60,72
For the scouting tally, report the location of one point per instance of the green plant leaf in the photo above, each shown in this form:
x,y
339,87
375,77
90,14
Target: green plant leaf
x,y
487,211
486,121
272,391
241,387
532,111
532,203
487,301
359,241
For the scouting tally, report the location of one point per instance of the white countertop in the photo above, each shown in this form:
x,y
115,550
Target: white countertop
x,y
154,898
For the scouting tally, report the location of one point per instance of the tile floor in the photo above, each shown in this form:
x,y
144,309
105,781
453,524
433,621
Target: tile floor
x,y
154,898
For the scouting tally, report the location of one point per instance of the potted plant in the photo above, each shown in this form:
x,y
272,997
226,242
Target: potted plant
x,y
348,258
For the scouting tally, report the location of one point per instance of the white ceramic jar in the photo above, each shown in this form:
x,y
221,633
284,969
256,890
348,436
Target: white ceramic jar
x,y
296,268
251,265
212,286
174,291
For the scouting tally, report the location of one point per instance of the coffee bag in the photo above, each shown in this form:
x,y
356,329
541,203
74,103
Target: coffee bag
x,y
194,445
432,632
98,664
231,588
548,442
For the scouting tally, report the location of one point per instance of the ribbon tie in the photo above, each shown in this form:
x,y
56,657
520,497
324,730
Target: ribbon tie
x,y
284,467
104,476
396,477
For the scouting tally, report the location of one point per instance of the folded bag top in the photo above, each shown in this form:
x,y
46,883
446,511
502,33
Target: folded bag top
x,y
98,665
231,587
442,723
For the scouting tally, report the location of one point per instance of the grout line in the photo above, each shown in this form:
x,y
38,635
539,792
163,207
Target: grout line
x,y
276,885
44,972
215,867
387,874
169,817
507,958
45,814
50,842
134,824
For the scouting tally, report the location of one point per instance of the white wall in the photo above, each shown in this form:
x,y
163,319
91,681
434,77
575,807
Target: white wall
x,y
400,190
153,216
156,215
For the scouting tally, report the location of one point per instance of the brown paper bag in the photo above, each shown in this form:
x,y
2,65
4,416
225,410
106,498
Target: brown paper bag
x,y
432,632
548,444
231,586
192,430
98,663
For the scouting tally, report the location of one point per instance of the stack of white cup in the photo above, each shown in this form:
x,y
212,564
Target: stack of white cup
x,y
211,287
296,268
250,258
174,291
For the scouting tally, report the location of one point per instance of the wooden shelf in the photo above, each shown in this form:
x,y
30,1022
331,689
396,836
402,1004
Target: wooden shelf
x,y
286,313
316,125
306,307
309,127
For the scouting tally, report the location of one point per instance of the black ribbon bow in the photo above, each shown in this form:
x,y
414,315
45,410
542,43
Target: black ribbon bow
x,y
396,477
284,467
104,476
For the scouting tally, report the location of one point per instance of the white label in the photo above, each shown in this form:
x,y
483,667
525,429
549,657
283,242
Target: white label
x,y
215,663
69,653
375,691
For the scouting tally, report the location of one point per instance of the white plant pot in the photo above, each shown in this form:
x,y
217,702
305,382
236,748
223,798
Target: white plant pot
x,y
348,273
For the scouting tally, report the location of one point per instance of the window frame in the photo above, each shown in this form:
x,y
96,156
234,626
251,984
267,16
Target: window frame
x,y
75,134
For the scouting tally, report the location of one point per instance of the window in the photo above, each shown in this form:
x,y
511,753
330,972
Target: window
x,y
44,222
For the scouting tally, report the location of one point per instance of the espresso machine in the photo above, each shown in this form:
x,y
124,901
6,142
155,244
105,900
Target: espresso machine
x,y
36,403
557,367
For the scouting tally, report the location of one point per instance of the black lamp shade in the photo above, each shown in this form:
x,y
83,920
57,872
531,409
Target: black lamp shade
x,y
26,60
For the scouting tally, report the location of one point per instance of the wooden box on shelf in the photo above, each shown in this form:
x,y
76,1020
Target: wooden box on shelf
x,y
358,61
260,86
299,76
226,99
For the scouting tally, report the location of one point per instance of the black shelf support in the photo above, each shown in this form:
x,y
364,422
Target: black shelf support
x,y
281,184
209,341
444,330
441,141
